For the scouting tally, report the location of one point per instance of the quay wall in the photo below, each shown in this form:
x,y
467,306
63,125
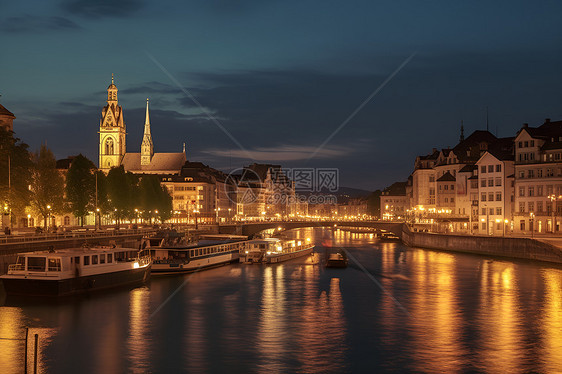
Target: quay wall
x,y
520,248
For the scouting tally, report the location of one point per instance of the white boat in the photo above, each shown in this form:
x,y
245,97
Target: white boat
x,y
181,257
72,271
274,250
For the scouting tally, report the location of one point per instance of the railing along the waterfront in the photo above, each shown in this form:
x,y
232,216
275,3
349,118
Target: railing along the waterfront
x,y
12,239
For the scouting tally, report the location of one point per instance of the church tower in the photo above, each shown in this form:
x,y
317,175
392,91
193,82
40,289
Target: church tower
x,y
112,131
147,148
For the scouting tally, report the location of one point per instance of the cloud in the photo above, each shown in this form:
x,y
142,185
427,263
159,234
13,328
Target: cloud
x,y
282,153
36,24
102,8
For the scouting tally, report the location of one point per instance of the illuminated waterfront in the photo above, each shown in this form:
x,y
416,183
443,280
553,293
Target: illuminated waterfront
x,y
463,313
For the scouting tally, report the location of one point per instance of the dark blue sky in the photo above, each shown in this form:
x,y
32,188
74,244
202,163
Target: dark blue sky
x,y
282,76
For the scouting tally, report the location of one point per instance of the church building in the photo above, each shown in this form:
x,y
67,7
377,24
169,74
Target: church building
x,y
112,143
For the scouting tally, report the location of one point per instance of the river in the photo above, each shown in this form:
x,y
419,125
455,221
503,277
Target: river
x,y
393,309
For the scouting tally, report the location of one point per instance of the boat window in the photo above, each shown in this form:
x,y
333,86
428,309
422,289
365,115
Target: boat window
x,y
199,252
262,246
36,263
77,260
109,258
86,260
20,262
102,259
53,264
94,259
192,253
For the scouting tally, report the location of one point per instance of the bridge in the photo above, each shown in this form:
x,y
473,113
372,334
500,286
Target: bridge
x,y
250,229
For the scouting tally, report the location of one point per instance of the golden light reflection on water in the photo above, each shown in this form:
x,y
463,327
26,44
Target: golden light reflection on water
x,y
11,351
551,321
436,321
498,319
138,340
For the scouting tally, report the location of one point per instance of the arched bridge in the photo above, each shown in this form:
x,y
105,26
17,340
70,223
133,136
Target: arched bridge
x,y
250,229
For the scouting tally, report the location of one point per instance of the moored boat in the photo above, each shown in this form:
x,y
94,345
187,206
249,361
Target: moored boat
x,y
274,250
77,270
389,237
182,257
336,260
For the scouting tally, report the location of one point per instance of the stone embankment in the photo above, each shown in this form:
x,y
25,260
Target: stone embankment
x,y
520,248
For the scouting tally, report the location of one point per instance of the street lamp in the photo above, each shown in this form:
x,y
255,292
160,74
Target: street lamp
x,y
532,223
48,217
553,199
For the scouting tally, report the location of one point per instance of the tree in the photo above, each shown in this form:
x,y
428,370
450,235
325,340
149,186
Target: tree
x,y
154,198
15,178
47,185
119,192
80,187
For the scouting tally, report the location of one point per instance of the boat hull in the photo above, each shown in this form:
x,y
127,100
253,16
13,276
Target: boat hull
x,y
16,286
162,267
288,256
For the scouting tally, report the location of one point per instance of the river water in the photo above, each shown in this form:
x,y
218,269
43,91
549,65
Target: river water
x,y
393,309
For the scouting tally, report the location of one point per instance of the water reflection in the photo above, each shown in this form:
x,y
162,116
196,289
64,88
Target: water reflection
x,y
551,322
498,318
138,341
436,320
465,314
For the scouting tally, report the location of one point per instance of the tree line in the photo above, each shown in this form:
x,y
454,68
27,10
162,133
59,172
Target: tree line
x,y
31,180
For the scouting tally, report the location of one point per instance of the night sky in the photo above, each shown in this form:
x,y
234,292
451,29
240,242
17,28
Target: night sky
x,y
281,77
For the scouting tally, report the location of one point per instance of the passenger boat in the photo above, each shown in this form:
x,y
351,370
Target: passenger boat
x,y
389,237
180,256
73,271
274,250
336,260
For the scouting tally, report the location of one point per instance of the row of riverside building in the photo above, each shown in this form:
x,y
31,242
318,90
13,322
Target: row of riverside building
x,y
199,192
485,185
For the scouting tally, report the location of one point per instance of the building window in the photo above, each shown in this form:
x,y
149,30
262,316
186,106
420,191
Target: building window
x,y
491,211
499,196
109,146
446,199
483,211
490,168
491,182
521,191
491,196
531,206
520,144
452,187
539,173
549,190
531,173
526,144
452,199
531,156
521,174
431,178
532,143
539,206
483,196
498,168
483,183
483,169
484,226
522,225
498,181
499,211
522,207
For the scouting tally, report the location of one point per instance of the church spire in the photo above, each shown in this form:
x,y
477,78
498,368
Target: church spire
x,y
147,148
462,131
147,120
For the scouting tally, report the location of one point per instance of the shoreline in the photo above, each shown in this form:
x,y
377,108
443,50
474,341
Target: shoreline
x,y
505,247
